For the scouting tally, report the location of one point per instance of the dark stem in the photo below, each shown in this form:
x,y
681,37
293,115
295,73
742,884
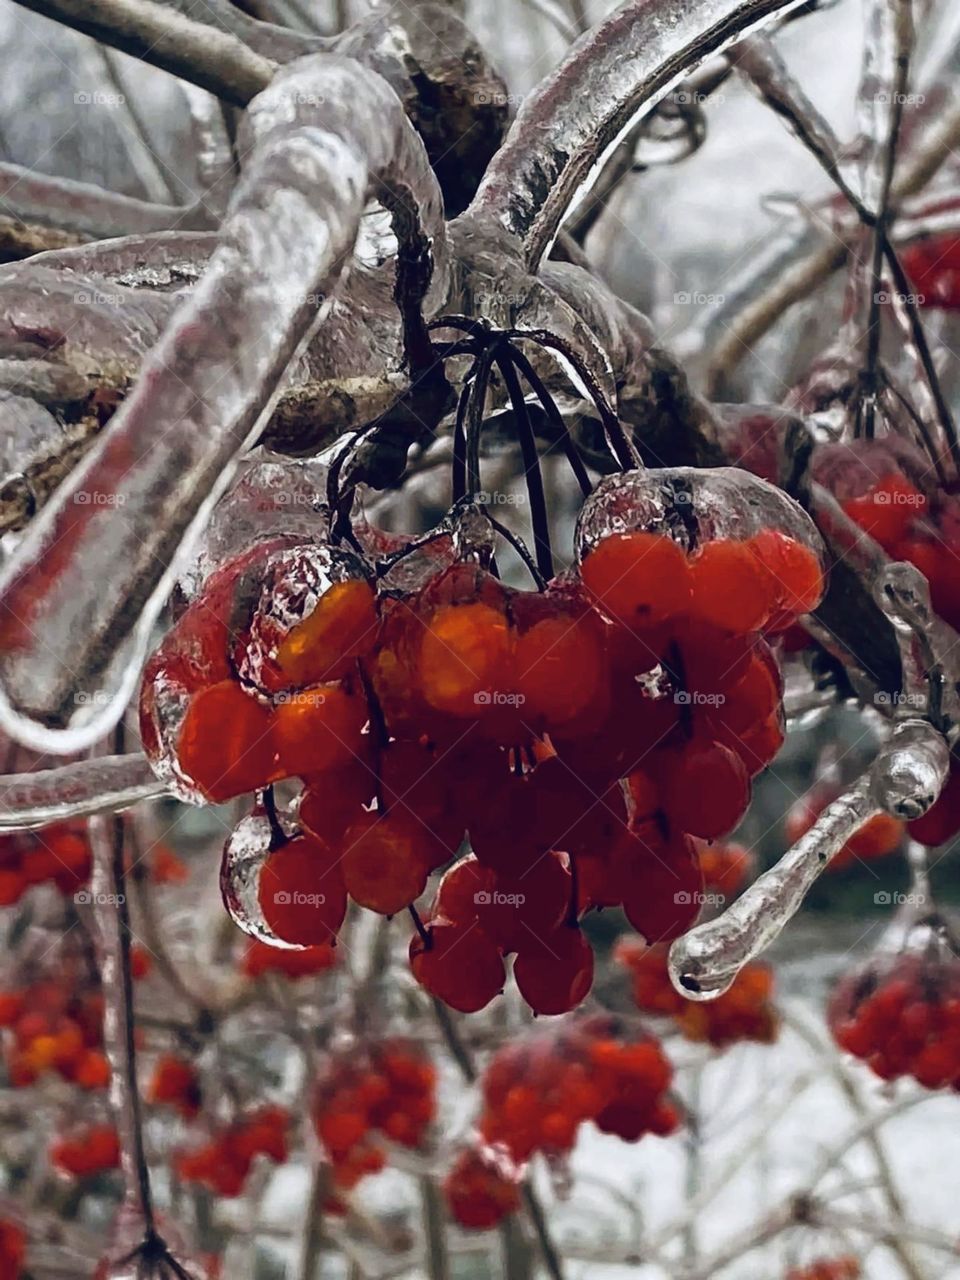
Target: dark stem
x,y
420,927
459,471
536,384
520,548
551,1259
621,446
531,466
919,336
869,380
474,416
278,837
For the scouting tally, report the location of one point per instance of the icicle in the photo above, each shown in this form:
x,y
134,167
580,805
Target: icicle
x,y
904,780
81,593
626,65
29,800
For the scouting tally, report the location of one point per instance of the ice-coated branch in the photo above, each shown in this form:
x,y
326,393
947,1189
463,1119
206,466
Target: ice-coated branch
x,y
107,783
80,206
79,596
904,780
705,962
612,74
208,57
766,71
802,262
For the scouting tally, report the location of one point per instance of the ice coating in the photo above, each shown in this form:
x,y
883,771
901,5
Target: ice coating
x,y
323,138
705,962
905,779
79,206
76,790
244,855
269,497
294,581
691,505
625,65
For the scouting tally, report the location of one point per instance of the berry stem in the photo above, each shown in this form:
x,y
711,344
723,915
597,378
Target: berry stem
x,y
531,465
278,837
919,337
549,406
420,927
474,416
521,549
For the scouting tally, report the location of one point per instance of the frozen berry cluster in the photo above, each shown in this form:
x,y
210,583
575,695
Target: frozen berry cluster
x,y
538,1091
901,1015
581,735
223,1162
385,1090
744,1012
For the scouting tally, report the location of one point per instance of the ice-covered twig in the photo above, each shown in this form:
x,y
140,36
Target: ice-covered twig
x,y
112,915
95,568
613,73
208,57
759,61
107,783
800,265
212,149
904,780
79,206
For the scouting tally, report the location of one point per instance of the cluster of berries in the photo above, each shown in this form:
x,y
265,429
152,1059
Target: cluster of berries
x,y
478,1192
744,1012
385,688
87,1151
223,1163
879,836
901,1015
175,1083
58,854
843,1268
538,1091
13,1248
53,1025
387,1089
